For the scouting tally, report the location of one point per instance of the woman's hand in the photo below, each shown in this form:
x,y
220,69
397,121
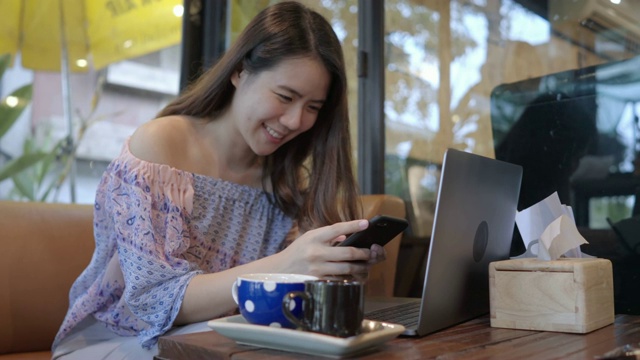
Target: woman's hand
x,y
378,254
313,253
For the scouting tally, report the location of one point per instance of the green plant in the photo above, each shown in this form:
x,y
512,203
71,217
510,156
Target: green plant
x,y
32,159
11,107
41,168
31,183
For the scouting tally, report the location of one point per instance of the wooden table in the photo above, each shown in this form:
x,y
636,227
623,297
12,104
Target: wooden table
x,y
475,339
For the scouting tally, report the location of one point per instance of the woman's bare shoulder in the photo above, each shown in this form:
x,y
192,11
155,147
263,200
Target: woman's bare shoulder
x,y
163,140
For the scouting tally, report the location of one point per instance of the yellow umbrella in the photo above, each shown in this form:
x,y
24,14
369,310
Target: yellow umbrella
x,y
95,31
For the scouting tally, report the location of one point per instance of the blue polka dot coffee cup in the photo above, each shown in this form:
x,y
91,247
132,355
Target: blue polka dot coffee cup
x,y
259,297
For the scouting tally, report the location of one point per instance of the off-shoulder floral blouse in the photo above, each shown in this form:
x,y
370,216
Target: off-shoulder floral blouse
x,y
155,228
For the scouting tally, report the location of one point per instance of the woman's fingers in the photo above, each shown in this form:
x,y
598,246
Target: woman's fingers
x,y
348,253
344,268
378,254
332,233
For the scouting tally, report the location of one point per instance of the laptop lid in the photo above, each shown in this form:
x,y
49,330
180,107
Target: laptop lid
x,y
474,221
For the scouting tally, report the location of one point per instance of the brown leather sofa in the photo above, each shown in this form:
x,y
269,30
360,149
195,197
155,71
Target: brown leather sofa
x,y
44,247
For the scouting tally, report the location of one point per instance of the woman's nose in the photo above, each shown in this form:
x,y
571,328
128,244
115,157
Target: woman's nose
x,y
292,118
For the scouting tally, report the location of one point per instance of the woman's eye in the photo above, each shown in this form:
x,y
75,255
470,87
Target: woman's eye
x,y
314,109
285,98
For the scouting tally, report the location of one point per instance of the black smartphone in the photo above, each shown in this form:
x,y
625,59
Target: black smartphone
x,y
381,230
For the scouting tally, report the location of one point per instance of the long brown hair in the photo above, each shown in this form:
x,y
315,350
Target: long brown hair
x,y
311,175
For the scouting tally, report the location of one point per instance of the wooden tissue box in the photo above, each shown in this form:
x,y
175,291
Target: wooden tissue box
x,y
567,295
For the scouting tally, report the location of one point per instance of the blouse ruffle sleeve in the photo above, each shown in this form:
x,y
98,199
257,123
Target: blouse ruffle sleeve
x,y
155,228
141,220
148,206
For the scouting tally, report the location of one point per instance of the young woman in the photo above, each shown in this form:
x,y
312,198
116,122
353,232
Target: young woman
x,y
247,171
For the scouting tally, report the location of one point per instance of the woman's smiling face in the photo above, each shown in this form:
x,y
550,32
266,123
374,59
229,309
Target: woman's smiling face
x,y
274,106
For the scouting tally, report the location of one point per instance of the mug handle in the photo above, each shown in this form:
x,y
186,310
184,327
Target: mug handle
x,y
286,301
234,291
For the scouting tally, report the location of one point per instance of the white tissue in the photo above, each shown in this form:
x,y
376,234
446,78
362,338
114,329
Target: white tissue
x,y
533,220
560,237
551,226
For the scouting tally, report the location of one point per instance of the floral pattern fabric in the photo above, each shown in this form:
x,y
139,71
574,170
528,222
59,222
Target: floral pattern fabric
x,y
155,228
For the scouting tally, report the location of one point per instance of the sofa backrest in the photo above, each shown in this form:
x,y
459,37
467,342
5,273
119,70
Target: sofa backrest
x,y
43,249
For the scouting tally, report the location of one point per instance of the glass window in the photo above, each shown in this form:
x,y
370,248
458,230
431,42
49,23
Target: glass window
x,y
458,74
461,74
116,66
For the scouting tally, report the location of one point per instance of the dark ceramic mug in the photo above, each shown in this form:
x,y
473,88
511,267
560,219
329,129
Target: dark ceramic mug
x,y
331,307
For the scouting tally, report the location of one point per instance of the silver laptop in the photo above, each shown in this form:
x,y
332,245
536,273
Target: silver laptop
x,y
473,226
